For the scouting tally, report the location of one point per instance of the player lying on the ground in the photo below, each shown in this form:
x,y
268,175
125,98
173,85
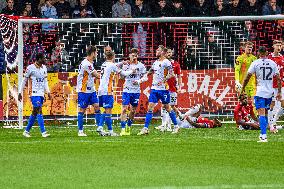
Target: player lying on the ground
x,y
193,119
244,114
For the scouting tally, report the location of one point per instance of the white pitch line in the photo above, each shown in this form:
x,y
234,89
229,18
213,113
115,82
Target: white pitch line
x,y
224,186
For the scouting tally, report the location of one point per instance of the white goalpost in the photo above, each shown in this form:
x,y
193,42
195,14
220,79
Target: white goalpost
x,y
20,53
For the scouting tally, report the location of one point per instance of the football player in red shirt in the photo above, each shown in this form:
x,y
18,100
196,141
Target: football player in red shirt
x,y
274,113
174,86
244,114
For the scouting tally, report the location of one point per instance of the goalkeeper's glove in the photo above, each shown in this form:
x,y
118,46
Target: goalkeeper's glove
x,y
238,86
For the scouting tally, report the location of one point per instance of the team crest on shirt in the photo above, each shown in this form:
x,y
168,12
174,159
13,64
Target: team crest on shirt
x,y
90,67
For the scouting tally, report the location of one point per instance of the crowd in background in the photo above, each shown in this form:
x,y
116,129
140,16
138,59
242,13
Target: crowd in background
x,y
139,8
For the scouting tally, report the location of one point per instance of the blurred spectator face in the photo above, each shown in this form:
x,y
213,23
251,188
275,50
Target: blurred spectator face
x,y
277,47
169,54
235,3
138,2
200,1
25,13
211,38
162,3
272,2
34,38
83,3
248,49
121,1
219,3
248,25
28,7
252,2
48,3
177,5
10,4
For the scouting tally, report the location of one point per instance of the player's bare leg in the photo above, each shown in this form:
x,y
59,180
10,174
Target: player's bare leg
x,y
123,118
172,116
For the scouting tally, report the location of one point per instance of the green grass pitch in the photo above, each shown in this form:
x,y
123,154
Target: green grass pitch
x,y
199,158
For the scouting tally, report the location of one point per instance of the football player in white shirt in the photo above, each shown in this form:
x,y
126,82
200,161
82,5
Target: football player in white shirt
x,y
86,88
131,91
105,92
264,69
38,74
162,71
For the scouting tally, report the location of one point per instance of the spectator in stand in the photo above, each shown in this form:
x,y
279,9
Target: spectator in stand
x,y
62,6
48,11
140,10
178,8
271,8
31,49
104,8
3,4
251,7
191,53
24,13
219,8
234,9
201,8
10,9
77,13
163,9
121,9
73,3
59,56
2,56
250,32
31,12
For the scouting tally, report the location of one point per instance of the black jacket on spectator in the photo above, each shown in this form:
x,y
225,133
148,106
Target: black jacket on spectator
x,y
62,8
251,10
143,13
234,11
179,12
167,11
216,12
89,9
203,10
7,11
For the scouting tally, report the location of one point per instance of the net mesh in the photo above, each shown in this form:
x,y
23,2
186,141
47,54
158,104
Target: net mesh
x,y
205,50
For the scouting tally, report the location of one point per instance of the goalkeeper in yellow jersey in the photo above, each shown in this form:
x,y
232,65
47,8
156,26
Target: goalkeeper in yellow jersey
x,y
242,64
